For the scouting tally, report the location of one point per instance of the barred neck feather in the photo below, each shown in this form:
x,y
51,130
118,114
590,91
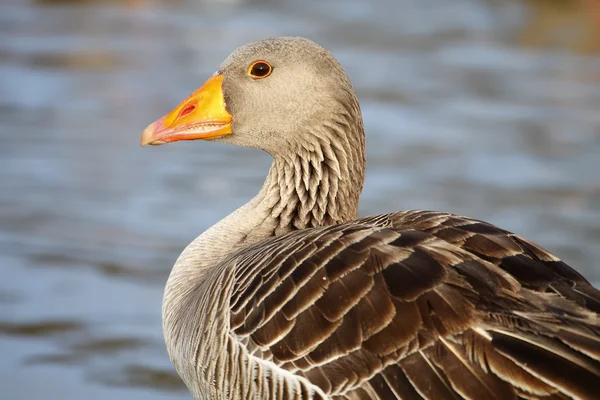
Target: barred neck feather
x,y
317,184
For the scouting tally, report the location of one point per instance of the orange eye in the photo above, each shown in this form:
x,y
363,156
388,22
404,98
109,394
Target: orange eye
x,y
260,69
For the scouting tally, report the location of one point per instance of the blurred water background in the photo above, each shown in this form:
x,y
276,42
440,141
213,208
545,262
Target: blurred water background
x,y
484,108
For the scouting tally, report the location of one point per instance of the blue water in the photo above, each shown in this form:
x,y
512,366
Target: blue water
x,y
464,109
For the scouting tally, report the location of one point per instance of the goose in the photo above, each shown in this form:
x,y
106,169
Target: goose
x,y
293,296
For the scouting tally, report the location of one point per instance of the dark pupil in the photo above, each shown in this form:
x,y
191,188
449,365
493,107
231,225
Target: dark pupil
x,y
260,69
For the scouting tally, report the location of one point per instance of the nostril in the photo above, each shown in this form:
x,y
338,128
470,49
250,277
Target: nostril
x,y
186,111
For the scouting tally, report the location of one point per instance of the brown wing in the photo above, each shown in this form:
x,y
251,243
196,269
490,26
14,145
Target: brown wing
x,y
419,305
534,267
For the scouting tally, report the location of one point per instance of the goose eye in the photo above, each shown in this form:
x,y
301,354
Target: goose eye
x,y
260,69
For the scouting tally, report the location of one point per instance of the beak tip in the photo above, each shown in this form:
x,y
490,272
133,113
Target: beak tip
x,y
148,135
201,116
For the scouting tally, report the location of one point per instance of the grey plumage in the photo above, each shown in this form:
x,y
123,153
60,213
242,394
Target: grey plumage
x,y
292,297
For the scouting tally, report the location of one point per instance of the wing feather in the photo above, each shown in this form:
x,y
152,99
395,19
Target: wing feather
x,y
418,305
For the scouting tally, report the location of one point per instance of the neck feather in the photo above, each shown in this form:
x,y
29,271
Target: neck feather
x,y
316,184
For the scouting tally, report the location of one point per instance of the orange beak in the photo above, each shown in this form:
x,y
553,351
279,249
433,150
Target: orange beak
x,y
200,116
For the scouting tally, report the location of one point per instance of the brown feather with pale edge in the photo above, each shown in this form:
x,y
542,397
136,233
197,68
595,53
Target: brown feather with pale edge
x,y
419,305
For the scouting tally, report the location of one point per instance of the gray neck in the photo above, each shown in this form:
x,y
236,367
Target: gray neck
x,y
318,184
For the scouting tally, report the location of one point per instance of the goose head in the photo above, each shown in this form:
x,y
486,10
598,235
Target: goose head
x,y
276,95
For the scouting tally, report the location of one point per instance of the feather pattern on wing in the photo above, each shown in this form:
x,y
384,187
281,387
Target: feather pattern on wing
x,y
418,305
